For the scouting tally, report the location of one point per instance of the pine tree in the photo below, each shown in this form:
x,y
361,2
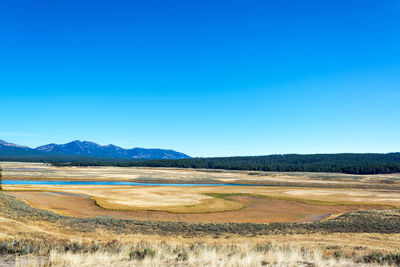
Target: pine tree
x,y
1,187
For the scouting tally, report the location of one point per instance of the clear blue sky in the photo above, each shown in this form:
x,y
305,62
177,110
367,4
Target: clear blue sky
x,y
208,78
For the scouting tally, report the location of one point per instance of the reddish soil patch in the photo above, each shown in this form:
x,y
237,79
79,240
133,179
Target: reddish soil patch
x,y
257,210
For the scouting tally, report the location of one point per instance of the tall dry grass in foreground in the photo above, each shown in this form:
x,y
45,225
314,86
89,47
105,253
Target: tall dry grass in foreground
x,y
164,254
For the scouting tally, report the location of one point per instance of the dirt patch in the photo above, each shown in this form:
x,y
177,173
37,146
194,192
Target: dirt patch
x,y
256,209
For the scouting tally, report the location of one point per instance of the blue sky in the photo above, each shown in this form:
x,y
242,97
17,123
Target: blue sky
x,y
208,78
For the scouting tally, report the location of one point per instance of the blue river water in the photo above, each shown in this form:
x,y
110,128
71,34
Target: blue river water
x,y
25,182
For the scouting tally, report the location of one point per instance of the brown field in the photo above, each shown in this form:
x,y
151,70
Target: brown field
x,y
250,209
191,204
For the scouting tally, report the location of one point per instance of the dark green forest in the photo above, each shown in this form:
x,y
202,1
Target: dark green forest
x,y
351,163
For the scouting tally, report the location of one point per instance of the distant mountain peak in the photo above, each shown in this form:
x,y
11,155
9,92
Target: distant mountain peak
x,y
4,143
81,142
89,149
86,148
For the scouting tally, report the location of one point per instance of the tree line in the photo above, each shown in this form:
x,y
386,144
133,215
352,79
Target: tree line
x,y
351,163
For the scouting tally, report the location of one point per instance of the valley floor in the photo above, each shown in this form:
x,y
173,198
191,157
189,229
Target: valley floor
x,y
335,224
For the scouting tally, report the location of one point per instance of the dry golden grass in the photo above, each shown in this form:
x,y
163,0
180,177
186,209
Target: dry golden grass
x,y
40,230
229,250
273,250
232,250
196,255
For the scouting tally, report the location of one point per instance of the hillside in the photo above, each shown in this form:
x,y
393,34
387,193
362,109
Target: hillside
x,y
13,150
83,150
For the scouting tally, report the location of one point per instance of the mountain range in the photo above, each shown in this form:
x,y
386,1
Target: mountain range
x,y
87,149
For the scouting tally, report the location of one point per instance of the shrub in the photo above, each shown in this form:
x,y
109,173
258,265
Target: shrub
x,y
183,256
338,254
4,248
265,247
332,247
14,247
380,258
141,254
74,247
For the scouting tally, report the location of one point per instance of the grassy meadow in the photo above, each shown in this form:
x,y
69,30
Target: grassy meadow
x,y
319,220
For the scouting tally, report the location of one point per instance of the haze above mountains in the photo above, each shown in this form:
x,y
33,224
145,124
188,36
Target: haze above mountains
x,y
88,149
